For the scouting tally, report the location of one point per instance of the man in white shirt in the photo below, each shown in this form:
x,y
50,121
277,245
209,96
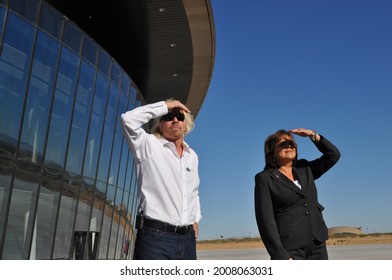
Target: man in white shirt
x,y
167,180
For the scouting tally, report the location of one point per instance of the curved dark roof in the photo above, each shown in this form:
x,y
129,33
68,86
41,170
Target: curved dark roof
x,y
166,46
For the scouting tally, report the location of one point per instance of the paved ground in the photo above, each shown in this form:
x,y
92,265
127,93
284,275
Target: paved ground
x,y
352,252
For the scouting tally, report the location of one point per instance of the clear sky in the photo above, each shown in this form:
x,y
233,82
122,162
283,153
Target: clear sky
x,y
282,64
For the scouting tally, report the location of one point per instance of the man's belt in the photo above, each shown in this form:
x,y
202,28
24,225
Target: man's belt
x,y
165,227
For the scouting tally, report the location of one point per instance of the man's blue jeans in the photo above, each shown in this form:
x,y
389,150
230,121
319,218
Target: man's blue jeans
x,y
153,244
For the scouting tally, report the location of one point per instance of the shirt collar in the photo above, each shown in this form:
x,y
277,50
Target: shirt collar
x,y
167,143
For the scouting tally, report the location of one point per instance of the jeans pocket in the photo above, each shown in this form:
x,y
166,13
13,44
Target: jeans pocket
x,y
150,234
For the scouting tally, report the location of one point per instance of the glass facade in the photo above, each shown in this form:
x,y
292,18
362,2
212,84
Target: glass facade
x,y
67,179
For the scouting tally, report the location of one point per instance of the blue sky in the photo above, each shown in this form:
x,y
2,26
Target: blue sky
x,y
323,65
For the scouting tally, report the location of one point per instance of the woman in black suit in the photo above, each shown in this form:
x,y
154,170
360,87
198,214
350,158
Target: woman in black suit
x,y
288,214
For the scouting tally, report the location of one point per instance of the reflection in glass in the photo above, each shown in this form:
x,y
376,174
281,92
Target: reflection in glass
x,y
118,145
119,239
6,171
111,195
84,209
39,98
123,166
129,173
106,223
81,115
95,129
62,109
64,232
21,231
46,221
107,137
15,59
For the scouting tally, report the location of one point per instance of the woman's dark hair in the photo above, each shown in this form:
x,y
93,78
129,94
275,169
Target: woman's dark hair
x,y
270,144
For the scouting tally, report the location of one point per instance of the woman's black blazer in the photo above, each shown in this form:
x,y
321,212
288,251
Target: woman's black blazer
x,y
289,217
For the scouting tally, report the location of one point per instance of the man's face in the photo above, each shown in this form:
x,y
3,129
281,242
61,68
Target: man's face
x,y
172,125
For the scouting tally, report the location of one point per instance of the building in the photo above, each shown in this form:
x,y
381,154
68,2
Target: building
x,y
339,230
68,69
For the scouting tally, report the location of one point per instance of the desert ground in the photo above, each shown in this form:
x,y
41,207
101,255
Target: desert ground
x,y
245,243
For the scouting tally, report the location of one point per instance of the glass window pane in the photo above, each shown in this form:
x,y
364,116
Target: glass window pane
x,y
47,212
72,36
116,74
84,210
120,240
90,50
104,63
119,219
39,98
124,206
114,226
46,221
101,188
6,172
64,231
96,216
126,248
133,196
104,237
125,83
123,166
96,124
117,147
115,160
51,21
128,177
118,200
15,60
62,109
20,229
107,137
27,9
2,12
81,116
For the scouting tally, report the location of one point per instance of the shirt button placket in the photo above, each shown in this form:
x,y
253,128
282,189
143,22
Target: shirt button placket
x,y
184,196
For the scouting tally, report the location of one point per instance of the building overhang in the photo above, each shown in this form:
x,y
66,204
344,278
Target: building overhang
x,y
166,46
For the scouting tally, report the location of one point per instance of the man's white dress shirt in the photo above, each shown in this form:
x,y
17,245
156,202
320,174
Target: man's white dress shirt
x,y
168,185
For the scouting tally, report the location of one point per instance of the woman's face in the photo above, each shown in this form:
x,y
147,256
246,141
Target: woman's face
x,y
285,150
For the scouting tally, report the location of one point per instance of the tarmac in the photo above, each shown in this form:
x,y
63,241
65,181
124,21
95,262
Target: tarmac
x,y
347,252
